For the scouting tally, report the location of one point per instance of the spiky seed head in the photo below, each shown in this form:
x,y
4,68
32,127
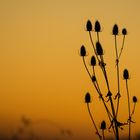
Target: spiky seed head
x,y
93,61
115,30
99,48
87,98
103,125
83,51
97,27
124,31
125,74
89,26
93,78
135,99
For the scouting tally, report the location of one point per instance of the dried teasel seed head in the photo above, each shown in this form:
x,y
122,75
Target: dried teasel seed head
x,y
135,99
87,98
93,61
125,74
89,26
97,27
124,31
115,30
83,51
93,78
99,49
103,125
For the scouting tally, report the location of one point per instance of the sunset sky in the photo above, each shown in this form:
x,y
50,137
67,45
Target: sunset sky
x,y
41,73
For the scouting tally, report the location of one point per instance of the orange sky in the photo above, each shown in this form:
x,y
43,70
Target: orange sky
x,y
42,75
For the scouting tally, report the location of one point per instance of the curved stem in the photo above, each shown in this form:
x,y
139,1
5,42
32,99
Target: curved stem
x,y
129,115
86,68
93,46
97,132
90,75
122,47
96,86
133,110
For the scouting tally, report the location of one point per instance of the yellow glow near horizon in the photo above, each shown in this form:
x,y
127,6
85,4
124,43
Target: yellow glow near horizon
x,y
42,74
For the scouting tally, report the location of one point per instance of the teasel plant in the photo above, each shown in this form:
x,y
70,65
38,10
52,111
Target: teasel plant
x,y
111,102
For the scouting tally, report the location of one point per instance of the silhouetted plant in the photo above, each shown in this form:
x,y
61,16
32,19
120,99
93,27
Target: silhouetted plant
x,y
103,127
97,59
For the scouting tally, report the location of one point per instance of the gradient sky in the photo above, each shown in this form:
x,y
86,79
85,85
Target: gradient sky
x,y
41,73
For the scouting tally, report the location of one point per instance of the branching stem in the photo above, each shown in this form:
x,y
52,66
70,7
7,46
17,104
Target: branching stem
x,y
99,92
118,77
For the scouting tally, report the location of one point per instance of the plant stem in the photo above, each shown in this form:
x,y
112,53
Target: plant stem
x,y
86,68
118,78
100,95
129,115
103,133
97,132
122,47
133,110
111,103
99,92
93,46
98,36
110,98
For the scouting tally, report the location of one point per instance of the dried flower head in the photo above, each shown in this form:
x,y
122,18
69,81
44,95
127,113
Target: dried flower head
x,y
124,31
93,61
135,99
125,74
89,26
83,51
99,48
103,125
87,98
115,30
97,27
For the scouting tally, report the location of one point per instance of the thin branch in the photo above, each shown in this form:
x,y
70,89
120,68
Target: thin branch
x,y
122,47
103,134
93,46
133,110
118,78
97,132
129,115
